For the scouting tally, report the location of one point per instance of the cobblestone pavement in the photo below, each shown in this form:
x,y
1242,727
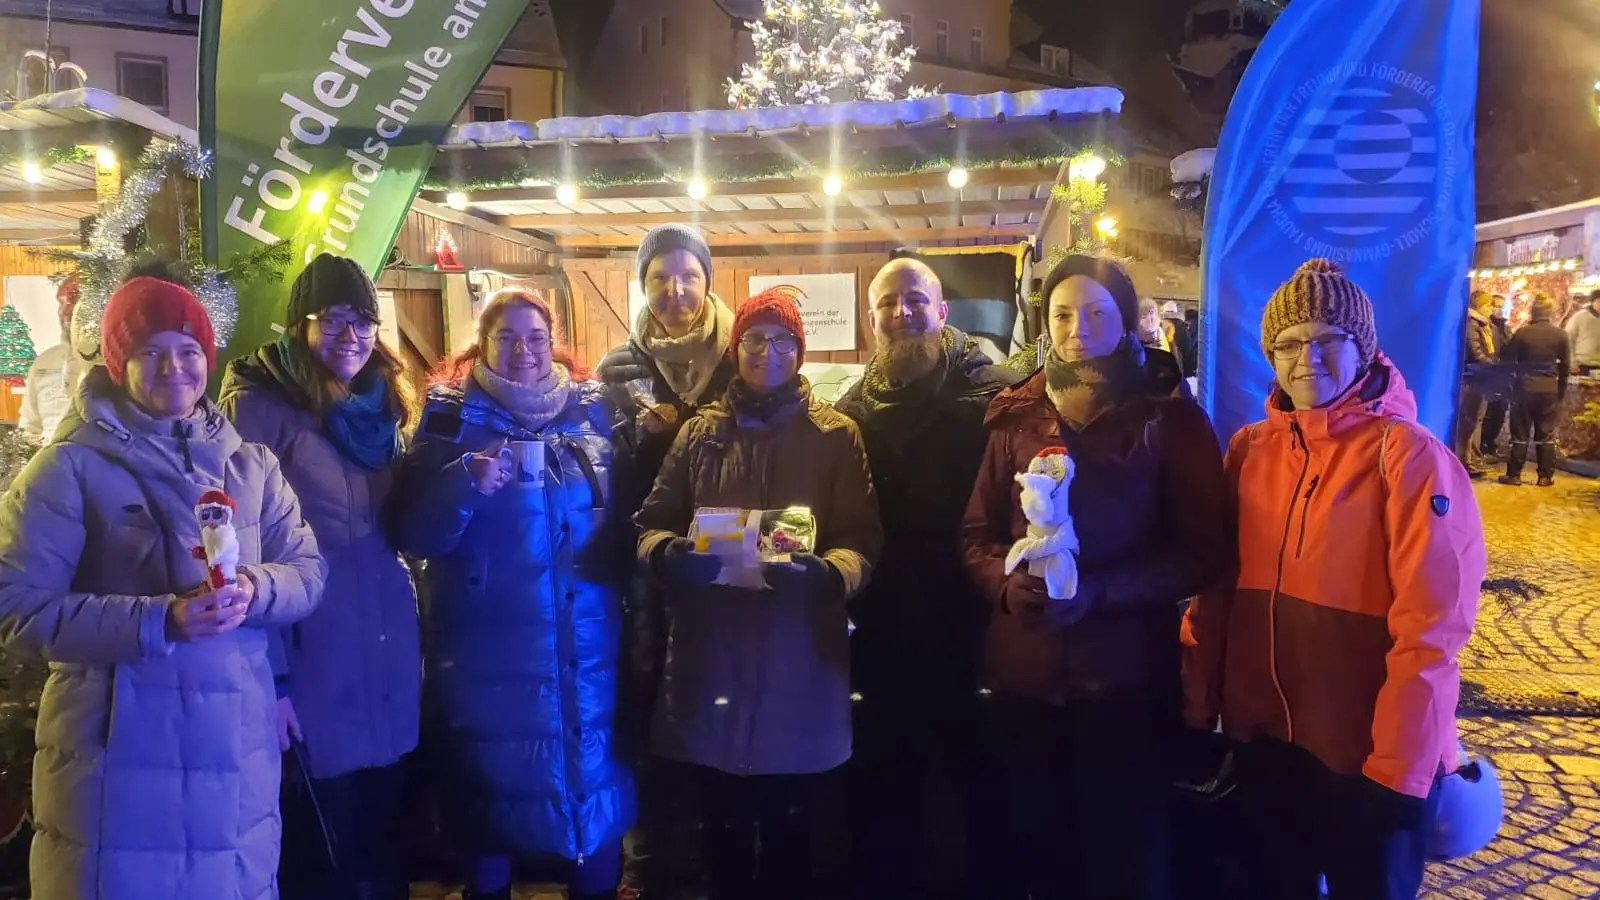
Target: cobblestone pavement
x,y
1549,845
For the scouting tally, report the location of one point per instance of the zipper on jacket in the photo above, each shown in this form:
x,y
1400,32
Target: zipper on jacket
x,y
563,616
1277,584
181,432
1305,515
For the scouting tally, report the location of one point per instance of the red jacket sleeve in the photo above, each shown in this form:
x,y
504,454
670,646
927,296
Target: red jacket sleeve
x,y
986,528
1436,566
1205,623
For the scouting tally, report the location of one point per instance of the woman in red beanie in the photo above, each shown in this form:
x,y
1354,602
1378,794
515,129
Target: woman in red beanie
x,y
756,691
157,767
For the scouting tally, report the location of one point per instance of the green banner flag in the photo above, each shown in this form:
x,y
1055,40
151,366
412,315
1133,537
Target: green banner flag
x,y
324,116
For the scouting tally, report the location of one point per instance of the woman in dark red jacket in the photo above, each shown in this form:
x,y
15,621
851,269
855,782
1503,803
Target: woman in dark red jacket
x,y
1086,690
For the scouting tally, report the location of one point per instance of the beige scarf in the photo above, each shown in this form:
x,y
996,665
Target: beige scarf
x,y
531,405
689,362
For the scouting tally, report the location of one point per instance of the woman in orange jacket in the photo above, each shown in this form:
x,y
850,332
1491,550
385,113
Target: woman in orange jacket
x,y
1331,657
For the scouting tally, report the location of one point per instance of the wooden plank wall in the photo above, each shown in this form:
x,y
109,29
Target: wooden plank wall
x,y
600,295
419,236
16,260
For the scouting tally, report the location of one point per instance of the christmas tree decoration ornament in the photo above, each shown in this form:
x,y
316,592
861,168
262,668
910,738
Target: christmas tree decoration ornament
x,y
16,346
219,541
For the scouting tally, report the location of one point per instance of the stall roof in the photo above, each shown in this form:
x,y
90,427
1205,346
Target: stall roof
x,y
49,209
763,170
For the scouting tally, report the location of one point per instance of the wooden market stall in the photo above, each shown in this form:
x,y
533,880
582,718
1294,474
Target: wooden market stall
x,y
826,190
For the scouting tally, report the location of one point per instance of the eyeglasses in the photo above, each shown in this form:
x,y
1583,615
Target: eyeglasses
x,y
363,328
783,343
537,341
1324,345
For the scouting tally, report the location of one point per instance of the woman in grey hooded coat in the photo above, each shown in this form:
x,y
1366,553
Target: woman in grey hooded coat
x,y
157,766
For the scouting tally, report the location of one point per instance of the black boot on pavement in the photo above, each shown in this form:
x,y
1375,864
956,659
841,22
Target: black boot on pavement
x,y
1513,480
1546,481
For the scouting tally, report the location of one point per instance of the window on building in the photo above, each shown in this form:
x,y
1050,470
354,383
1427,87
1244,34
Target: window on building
x,y
143,79
644,40
906,23
941,39
976,45
663,27
491,105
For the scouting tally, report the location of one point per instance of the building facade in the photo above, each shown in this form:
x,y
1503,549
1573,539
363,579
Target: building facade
x,y
147,51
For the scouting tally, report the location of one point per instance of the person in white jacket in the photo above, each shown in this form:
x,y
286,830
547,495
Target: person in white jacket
x,y
53,378
1584,329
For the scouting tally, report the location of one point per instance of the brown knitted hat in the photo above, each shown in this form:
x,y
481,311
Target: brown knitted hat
x,y
1319,291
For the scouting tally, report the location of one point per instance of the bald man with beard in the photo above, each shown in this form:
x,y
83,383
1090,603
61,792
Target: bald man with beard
x,y
920,407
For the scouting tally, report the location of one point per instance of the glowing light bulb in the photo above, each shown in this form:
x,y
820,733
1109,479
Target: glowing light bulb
x,y
567,194
698,189
32,172
317,202
1107,226
957,177
456,200
832,185
105,157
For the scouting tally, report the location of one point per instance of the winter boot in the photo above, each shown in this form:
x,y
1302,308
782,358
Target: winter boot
x,y
1547,463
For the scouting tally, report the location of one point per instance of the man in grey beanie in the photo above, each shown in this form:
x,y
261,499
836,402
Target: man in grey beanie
x,y
675,362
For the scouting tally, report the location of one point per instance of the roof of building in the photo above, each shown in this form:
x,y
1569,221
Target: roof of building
x,y
533,42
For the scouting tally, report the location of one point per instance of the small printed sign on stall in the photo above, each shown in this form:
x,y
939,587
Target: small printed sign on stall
x,y
827,306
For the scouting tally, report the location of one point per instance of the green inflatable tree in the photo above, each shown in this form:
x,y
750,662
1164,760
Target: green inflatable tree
x,y
16,345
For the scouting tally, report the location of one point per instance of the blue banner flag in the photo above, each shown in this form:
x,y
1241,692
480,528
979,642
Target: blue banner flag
x,y
1349,138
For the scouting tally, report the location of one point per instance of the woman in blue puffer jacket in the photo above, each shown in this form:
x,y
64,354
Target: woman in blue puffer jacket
x,y
506,493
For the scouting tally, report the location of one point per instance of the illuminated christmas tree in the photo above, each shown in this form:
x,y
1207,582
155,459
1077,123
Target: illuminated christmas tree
x,y
16,345
823,51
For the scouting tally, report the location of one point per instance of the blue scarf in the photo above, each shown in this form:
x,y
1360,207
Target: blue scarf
x,y
359,426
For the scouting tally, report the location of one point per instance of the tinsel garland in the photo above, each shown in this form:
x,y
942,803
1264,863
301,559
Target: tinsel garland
x,y
106,262
772,167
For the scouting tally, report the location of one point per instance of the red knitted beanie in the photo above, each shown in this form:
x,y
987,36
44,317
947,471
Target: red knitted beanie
x,y
774,306
143,307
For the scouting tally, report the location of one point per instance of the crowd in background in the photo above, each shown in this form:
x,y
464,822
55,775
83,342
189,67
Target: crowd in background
x,y
503,573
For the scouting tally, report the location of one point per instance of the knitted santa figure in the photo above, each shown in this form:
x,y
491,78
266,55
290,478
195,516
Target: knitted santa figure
x,y
1051,541
219,542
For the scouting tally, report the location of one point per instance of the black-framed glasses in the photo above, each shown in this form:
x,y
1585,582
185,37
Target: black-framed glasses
x,y
783,343
332,327
1323,344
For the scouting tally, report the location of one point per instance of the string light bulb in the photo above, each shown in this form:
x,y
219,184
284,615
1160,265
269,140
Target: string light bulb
x,y
32,172
1106,226
317,202
957,177
105,157
698,189
833,185
567,194
456,200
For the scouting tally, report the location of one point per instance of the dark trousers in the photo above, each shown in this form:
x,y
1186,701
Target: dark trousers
x,y
664,845
1089,790
757,843
361,812
908,749
1494,422
1467,414
1302,822
1534,416
596,876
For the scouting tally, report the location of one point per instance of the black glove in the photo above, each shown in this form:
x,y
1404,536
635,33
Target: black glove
x,y
808,573
1029,596
677,564
1385,811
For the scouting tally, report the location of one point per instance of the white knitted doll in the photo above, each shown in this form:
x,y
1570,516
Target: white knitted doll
x,y
1052,540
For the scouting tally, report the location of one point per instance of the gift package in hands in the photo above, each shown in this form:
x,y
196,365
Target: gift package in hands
x,y
747,540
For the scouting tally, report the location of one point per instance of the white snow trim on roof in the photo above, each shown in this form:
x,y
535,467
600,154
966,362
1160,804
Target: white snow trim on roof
x,y
105,105
862,114
1196,165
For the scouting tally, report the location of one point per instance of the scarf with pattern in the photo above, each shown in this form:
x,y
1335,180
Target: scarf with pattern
x,y
531,405
1082,390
